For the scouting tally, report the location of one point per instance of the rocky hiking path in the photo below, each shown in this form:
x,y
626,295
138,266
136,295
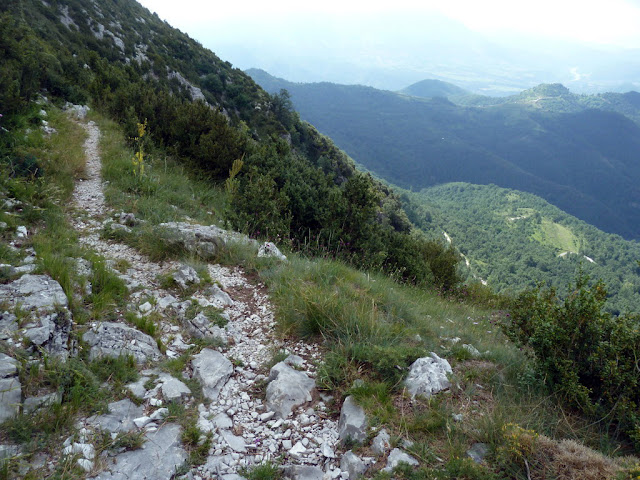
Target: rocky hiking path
x,y
246,429
249,413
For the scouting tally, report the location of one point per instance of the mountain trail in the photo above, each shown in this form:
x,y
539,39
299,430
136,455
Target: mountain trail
x,y
244,431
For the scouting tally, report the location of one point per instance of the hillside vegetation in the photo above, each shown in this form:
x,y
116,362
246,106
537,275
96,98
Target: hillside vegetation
x,y
577,152
433,88
181,136
370,328
513,240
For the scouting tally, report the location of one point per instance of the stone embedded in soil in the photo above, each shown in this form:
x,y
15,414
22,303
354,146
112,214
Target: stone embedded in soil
x,y
428,376
212,370
287,389
477,452
204,240
32,404
186,276
353,465
8,366
173,390
396,457
158,459
120,418
303,472
380,443
353,422
109,339
236,443
8,325
10,397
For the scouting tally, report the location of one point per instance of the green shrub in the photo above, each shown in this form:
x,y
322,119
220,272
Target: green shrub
x,y
584,354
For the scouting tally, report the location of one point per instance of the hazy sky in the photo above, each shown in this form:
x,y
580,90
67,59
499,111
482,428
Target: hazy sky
x,y
611,22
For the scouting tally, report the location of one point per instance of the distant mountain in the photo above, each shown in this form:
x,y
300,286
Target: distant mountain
x,y
512,240
578,152
556,98
433,88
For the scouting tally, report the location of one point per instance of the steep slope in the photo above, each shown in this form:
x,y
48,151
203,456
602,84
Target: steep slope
x,y
583,160
290,182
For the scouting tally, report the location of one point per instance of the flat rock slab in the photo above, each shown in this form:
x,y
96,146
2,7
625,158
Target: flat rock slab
x,y
428,375
34,292
158,458
110,339
287,389
212,370
353,422
120,417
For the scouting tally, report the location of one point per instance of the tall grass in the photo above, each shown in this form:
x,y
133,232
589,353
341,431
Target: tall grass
x,y
170,192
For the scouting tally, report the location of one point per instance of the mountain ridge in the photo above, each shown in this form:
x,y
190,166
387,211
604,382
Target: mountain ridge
x,y
580,159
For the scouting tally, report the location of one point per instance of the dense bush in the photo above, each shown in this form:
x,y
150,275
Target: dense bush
x,y
586,355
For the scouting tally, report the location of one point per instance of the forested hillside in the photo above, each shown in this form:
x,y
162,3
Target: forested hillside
x,y
579,154
513,240
292,184
433,88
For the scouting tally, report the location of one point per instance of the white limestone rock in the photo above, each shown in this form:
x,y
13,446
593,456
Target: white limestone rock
x,y
353,422
428,376
269,249
212,370
110,339
287,389
396,457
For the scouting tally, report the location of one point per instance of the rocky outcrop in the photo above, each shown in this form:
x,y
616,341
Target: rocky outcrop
x,y
49,322
353,422
50,333
203,240
212,370
34,292
287,389
201,326
110,339
428,375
